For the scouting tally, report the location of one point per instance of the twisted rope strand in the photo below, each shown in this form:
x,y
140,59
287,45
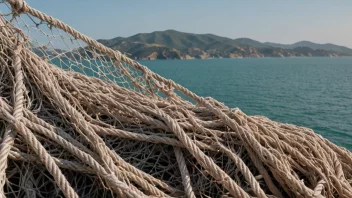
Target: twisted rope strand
x,y
186,180
9,135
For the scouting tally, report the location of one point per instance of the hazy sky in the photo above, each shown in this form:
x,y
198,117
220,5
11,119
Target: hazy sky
x,y
321,21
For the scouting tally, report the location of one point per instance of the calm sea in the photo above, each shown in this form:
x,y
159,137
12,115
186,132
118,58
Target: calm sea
x,y
310,92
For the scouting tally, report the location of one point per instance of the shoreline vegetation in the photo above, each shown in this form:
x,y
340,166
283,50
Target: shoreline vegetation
x,y
164,56
174,45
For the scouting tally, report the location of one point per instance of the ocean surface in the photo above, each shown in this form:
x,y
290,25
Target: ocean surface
x,y
310,92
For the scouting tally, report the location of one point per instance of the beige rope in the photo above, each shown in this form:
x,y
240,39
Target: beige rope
x,y
269,182
202,159
62,163
9,135
263,152
97,142
245,171
44,156
184,172
18,5
318,189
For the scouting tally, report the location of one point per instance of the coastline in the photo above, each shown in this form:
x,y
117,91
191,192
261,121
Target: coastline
x,y
266,57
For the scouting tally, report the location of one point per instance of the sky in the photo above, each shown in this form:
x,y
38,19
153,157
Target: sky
x,y
320,21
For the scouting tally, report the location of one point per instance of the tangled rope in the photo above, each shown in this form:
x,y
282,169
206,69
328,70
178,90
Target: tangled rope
x,y
64,133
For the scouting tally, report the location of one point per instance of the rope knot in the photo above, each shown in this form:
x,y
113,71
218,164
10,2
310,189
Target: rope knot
x,y
19,6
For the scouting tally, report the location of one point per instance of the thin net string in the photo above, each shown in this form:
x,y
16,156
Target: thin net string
x,y
62,49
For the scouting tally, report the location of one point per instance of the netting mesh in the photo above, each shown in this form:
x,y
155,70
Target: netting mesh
x,y
60,48
78,119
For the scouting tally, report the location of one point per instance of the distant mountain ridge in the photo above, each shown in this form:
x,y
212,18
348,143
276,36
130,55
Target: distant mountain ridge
x,y
327,46
172,44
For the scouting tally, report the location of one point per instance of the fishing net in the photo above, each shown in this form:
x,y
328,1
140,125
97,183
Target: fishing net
x,y
78,119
